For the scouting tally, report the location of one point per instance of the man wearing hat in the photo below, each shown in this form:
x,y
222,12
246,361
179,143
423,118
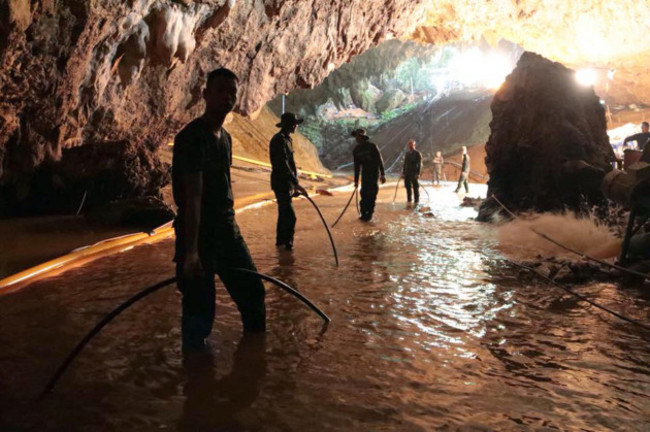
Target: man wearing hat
x,y
284,178
368,163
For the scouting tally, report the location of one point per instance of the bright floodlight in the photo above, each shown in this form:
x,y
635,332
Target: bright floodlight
x,y
586,77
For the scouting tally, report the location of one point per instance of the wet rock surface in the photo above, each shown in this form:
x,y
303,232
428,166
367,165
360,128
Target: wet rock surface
x,y
548,148
87,177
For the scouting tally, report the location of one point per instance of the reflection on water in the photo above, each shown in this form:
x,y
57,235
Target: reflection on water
x,y
430,329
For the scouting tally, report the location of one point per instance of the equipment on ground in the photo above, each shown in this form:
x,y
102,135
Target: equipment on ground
x,y
630,188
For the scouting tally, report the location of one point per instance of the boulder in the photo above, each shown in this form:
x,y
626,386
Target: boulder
x,y
548,146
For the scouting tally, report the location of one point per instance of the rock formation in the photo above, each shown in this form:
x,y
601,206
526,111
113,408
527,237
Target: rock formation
x,y
548,140
78,72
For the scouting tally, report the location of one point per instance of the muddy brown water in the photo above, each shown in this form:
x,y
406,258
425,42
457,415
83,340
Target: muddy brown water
x,y
431,329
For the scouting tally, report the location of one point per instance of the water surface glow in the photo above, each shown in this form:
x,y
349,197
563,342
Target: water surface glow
x,y
430,329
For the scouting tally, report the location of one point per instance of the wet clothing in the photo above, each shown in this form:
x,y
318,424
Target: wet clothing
x,y
368,164
438,163
284,177
640,138
220,244
411,172
464,174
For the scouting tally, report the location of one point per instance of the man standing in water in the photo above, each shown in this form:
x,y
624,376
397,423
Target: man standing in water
x,y
284,178
464,172
208,240
411,172
438,163
368,163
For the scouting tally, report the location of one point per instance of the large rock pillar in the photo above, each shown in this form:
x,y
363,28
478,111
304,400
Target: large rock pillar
x,y
548,145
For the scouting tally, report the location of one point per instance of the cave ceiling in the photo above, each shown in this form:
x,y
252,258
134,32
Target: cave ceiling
x,y
78,71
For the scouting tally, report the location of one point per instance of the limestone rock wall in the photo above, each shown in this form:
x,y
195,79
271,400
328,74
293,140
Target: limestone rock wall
x,y
548,140
82,71
78,72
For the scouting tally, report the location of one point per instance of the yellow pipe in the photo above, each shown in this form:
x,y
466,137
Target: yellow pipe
x,y
268,165
110,246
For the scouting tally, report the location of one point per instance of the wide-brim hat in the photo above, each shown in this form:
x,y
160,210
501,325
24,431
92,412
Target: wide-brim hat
x,y
359,132
289,119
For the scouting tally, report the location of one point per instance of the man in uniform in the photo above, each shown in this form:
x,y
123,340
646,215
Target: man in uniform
x,y
208,240
284,178
411,172
464,172
368,163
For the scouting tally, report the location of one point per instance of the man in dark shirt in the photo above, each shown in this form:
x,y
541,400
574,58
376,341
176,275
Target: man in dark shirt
x,y
464,172
284,178
411,172
640,138
368,163
208,240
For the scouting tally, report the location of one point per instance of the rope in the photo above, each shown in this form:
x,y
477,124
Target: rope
x,y
581,297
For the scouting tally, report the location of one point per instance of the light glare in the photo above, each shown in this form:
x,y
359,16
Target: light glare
x,y
586,77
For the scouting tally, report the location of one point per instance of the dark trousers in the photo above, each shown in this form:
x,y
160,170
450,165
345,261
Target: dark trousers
x,y
463,181
369,192
411,183
247,291
286,226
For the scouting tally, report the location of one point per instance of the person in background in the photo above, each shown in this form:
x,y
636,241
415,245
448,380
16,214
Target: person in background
x,y
464,172
640,138
411,172
438,163
284,178
369,164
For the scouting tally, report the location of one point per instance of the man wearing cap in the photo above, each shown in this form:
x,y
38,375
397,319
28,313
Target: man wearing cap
x,y
284,178
368,163
411,172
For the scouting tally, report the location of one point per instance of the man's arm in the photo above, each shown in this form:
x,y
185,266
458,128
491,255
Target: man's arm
x,y
380,161
357,168
419,164
634,137
193,188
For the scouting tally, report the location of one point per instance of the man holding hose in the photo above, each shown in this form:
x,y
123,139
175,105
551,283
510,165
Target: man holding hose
x,y
208,240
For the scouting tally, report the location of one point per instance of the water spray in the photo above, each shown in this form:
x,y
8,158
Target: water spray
x,y
148,291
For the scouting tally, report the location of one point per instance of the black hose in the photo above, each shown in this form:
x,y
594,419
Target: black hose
x,y
288,289
336,255
345,208
356,201
108,318
396,186
148,291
